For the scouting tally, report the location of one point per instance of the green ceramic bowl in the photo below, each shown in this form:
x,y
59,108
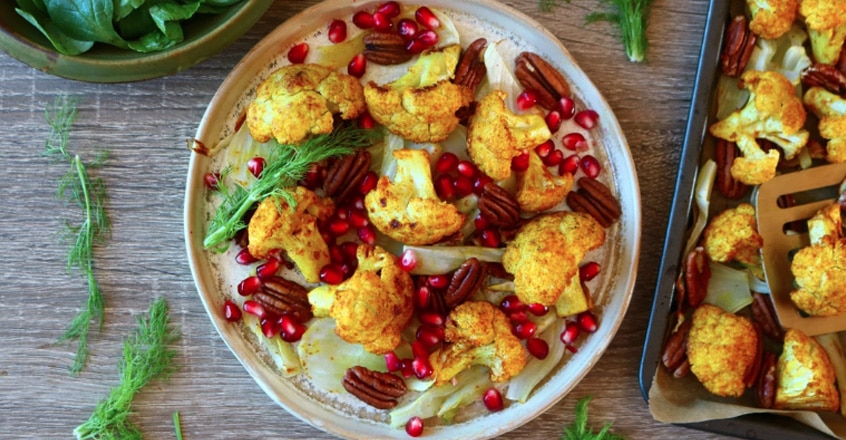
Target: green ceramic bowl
x,y
205,35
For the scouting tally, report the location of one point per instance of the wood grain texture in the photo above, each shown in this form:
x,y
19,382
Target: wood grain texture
x,y
145,124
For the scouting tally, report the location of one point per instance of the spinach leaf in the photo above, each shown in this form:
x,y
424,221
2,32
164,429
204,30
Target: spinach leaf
x,y
60,41
136,24
32,6
87,20
125,7
151,42
167,17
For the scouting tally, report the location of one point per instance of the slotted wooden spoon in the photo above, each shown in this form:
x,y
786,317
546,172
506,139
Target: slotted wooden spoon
x,y
813,189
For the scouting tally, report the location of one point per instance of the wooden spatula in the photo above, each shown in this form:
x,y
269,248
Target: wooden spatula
x,y
813,189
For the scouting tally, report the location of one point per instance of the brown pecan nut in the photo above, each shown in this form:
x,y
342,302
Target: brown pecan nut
x,y
466,280
535,73
674,355
825,76
374,388
765,387
725,153
385,48
498,205
739,42
764,314
697,272
280,296
345,175
595,199
471,69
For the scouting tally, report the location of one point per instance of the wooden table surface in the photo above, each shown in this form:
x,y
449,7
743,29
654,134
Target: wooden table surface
x,y
145,125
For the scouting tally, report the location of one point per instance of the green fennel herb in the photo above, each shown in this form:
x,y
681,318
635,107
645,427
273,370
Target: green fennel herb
x,y
579,430
283,169
147,355
78,187
177,425
632,17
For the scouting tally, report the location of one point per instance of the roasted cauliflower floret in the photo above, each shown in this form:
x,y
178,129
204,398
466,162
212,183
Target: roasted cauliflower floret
x,y
408,209
805,378
722,349
495,135
826,23
277,226
421,105
820,269
477,333
773,112
538,189
831,109
301,99
772,18
732,235
373,306
558,240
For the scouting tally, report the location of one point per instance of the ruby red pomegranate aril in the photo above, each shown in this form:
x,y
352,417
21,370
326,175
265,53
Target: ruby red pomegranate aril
x,y
537,309
337,31
480,182
371,179
490,238
566,107
408,260
587,322
463,186
511,304
331,274
554,158
525,330
428,336
438,281
231,312
447,163
358,218
520,162
467,169
407,29
366,121
245,257
357,66
298,53
211,180
587,119
392,362
414,427
427,18
444,187
432,318
363,20
553,120
254,308
570,333
338,226
381,22
421,367
590,165
367,235
415,46
570,165
389,9
589,271
537,347
480,221
493,400
545,148
268,269
290,329
423,297
526,99
574,142
428,38
249,286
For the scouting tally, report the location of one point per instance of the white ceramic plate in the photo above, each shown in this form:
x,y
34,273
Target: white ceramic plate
x,y
217,277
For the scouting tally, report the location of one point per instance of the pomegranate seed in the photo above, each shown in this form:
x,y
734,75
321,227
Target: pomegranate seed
x,y
389,9
254,308
212,180
414,427
518,317
381,22
479,184
331,274
368,184
463,186
527,99
553,120
268,269
407,370
408,260
554,158
421,367
467,169
429,336
520,163
367,235
570,333
357,201
432,318
419,350
566,107
338,227
336,255
589,271
270,327
245,257
392,362
511,304
292,331
231,312
571,349
358,218
493,400
490,238
444,187
438,281
427,18
481,222
415,46
447,163
570,165
337,31
537,347
525,330
249,286
298,53
428,38
591,167
587,119
313,177
342,213
538,309
423,297
545,148
347,269
407,29
574,142
366,121
357,66
587,322
349,248
363,20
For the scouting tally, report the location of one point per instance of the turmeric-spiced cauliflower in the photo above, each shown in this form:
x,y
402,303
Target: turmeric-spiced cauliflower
x,y
301,99
820,269
373,306
774,113
831,109
826,23
772,18
805,377
538,189
732,235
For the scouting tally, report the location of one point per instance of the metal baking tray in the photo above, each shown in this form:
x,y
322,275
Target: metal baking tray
x,y
753,426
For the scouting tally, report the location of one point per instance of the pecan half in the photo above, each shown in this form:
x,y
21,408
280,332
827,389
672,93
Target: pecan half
x,y
697,272
280,296
825,76
595,199
535,73
345,175
739,42
467,279
374,388
498,205
725,153
765,387
764,314
674,356
385,48
471,69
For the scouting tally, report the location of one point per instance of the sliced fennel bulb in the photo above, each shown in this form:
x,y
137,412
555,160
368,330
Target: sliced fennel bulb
x,y
429,403
522,385
728,288
434,260
704,185
283,353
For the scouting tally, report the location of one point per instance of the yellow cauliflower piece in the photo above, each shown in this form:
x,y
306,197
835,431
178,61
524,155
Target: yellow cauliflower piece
x,y
421,105
301,99
826,24
805,375
772,18
538,189
732,235
545,254
722,350
408,209
773,112
495,135
820,269
373,306
831,109
276,226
